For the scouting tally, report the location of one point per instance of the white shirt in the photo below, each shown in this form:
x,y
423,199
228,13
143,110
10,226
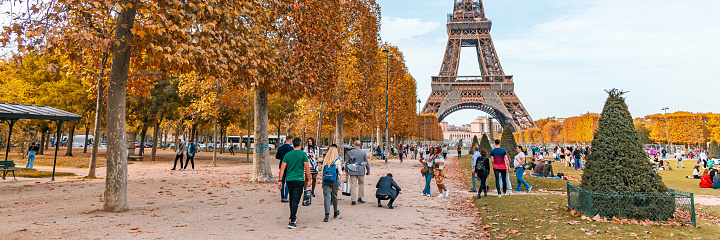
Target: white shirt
x,y
518,159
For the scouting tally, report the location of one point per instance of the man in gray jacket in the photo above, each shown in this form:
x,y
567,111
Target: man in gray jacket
x,y
357,167
179,154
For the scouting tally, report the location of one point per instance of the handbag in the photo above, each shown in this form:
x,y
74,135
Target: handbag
x,y
307,198
346,187
423,171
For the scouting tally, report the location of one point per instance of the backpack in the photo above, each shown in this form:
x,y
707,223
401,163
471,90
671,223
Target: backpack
x,y
710,163
479,166
330,173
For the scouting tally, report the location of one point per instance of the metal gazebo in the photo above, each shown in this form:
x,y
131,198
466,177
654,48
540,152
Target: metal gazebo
x,y
11,112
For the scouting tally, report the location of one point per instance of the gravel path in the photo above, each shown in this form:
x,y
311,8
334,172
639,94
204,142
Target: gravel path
x,y
220,203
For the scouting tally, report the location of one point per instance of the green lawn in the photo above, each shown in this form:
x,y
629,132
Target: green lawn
x,y
536,183
544,216
32,173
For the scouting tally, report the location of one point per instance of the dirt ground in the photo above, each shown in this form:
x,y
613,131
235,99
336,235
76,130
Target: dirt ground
x,y
221,203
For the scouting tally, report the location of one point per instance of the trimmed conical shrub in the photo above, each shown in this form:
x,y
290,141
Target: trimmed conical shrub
x,y
714,151
474,143
617,162
485,144
618,166
507,141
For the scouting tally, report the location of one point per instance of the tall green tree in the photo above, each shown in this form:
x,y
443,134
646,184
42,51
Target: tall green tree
x,y
714,151
474,143
507,141
485,143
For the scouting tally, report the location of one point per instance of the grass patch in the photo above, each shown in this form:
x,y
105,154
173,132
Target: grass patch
x,y
542,216
536,183
712,210
32,173
78,161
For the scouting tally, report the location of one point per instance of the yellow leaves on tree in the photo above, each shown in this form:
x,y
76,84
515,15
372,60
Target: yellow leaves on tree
x,y
684,127
580,129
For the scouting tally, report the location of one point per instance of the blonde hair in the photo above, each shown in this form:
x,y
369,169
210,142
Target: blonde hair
x,y
331,155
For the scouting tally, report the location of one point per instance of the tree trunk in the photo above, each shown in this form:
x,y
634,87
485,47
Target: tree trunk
x,y
87,132
247,145
215,145
143,135
261,162
71,136
319,130
42,141
222,140
165,133
116,181
339,135
155,138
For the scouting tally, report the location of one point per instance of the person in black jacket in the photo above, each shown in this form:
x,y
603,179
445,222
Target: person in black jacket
x,y
482,170
387,189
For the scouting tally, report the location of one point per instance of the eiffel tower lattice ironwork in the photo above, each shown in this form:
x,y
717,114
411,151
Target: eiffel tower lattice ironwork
x,y
493,91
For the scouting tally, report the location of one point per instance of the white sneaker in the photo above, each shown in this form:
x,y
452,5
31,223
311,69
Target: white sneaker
x,y
509,192
499,195
441,196
422,194
447,192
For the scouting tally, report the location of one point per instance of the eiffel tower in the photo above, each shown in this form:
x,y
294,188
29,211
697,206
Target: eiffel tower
x,y
493,91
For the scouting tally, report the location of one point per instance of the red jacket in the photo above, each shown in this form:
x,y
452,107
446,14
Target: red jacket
x,y
706,181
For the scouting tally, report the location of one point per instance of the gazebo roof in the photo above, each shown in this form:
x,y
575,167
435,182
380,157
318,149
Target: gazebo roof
x,y
9,111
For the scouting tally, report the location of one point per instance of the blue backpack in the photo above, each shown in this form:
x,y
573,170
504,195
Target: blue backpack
x,y
330,173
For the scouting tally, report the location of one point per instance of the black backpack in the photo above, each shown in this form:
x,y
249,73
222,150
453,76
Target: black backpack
x,y
479,166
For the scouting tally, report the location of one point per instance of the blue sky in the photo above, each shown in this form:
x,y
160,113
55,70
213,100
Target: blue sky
x,y
564,53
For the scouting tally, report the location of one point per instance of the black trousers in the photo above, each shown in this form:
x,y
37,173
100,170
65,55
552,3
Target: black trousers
x,y
500,174
295,189
381,197
483,182
178,156
190,159
230,149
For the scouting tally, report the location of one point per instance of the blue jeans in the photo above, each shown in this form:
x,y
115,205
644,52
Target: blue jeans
x,y
578,165
428,178
284,189
31,159
474,180
519,176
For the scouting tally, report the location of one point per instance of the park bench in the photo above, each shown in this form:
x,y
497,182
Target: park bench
x,y
8,166
135,158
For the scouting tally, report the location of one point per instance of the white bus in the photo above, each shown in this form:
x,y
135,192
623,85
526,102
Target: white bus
x,y
79,140
234,141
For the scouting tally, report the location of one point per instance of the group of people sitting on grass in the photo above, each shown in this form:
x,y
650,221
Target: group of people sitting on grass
x,y
545,169
709,178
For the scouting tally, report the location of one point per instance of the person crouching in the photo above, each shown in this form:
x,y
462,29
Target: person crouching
x,y
387,189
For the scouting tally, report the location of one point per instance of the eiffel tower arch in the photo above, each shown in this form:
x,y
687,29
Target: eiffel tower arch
x,y
491,92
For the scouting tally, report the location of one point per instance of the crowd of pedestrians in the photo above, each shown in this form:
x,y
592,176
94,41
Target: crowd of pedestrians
x,y
299,168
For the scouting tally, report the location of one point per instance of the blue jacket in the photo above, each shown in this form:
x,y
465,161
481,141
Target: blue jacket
x,y
387,186
191,149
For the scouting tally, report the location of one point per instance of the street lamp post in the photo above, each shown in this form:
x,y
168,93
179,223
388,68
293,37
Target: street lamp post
x,y
419,138
667,129
387,104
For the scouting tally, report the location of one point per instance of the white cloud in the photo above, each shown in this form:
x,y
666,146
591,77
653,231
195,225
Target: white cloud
x,y
396,30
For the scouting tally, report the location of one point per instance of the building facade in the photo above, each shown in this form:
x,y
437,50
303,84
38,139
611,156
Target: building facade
x,y
481,125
